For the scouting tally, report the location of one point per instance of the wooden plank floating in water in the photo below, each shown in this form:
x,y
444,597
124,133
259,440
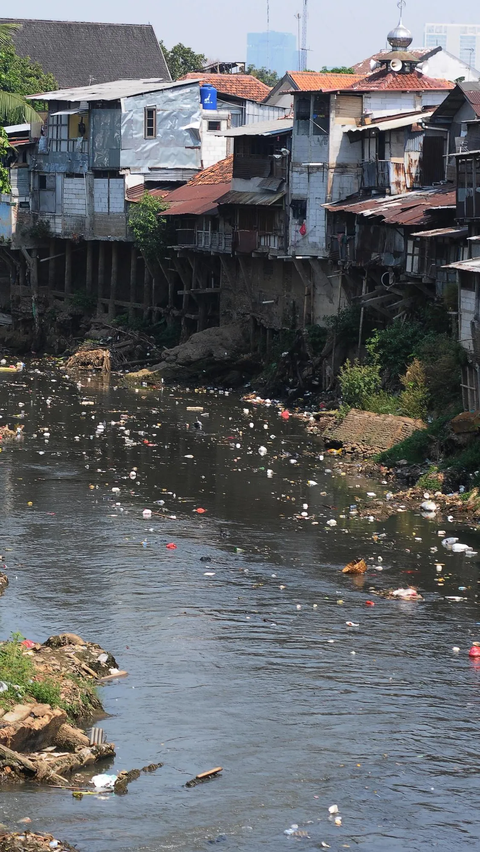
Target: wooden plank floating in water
x,y
204,776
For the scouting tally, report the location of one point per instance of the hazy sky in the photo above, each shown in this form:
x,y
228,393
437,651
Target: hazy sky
x,y
341,32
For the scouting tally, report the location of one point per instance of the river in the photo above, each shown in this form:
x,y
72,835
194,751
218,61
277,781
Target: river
x,y
244,661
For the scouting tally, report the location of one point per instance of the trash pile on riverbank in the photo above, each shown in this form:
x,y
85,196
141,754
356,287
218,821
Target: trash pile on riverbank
x,y
46,689
28,841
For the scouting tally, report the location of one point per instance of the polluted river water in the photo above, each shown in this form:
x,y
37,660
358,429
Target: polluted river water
x,y
236,641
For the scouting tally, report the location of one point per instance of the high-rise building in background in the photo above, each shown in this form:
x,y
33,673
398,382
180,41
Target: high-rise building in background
x,y
462,40
275,51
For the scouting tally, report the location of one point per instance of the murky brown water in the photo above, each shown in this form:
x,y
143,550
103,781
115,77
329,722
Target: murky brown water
x,y
252,668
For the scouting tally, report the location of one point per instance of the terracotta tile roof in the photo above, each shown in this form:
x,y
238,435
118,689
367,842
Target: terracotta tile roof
x,y
389,80
420,53
219,173
238,85
136,193
313,81
474,98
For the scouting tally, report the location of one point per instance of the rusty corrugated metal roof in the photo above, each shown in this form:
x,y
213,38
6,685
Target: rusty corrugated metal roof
x,y
262,199
455,233
195,200
409,209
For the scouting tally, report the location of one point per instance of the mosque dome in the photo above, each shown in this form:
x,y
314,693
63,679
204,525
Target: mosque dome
x,y
400,38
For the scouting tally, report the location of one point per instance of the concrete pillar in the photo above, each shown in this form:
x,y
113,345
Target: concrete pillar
x,y
113,282
68,268
101,276
89,268
51,267
133,281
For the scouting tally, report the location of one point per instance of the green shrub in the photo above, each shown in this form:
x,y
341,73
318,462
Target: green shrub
x,y
415,396
381,403
421,445
394,347
317,337
442,360
359,382
432,480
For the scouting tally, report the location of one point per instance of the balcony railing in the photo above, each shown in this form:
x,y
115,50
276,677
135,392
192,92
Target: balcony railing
x,y
214,240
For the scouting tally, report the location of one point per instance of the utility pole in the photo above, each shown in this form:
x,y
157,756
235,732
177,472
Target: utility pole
x,y
304,35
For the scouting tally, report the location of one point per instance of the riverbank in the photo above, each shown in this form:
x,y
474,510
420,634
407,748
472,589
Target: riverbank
x,y
28,841
48,693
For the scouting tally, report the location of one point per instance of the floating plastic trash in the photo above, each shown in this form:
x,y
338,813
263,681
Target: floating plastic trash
x,y
171,546
147,514
331,523
104,782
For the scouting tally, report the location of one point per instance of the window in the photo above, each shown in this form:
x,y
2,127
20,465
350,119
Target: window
x,y
302,115
150,123
42,182
468,46
58,133
299,208
321,115
214,125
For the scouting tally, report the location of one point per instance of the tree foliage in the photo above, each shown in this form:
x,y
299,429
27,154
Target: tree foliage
x,y
341,69
270,78
148,226
182,60
19,76
4,148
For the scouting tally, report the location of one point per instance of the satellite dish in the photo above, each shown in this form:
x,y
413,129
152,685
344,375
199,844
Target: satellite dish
x,y
396,65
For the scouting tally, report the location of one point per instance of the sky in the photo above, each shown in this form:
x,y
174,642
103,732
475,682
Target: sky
x,y
341,32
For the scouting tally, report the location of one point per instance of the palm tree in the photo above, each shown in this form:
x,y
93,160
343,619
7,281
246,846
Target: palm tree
x,y
14,109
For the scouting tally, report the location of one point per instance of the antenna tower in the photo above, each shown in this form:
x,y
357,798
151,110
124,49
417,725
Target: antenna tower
x,y
299,37
304,36
268,35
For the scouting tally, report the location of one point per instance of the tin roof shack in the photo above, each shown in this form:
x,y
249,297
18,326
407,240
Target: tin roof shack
x,y
98,140
377,243
400,152
239,102
203,236
339,149
467,267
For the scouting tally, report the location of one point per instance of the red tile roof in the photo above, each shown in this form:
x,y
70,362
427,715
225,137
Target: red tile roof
x,y
238,85
313,81
219,173
472,96
420,53
389,80
136,193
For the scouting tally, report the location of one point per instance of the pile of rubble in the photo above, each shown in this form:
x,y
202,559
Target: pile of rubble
x,y
27,841
41,742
